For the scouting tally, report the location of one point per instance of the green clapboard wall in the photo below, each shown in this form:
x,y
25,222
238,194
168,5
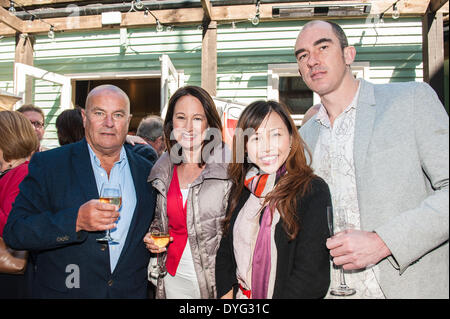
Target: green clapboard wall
x,y
393,49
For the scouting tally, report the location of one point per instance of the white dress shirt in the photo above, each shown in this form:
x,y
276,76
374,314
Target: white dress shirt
x,y
333,161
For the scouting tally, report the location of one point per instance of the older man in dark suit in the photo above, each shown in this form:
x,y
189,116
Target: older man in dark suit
x,y
58,217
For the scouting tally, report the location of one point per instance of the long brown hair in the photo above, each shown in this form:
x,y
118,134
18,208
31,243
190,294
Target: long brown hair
x,y
293,184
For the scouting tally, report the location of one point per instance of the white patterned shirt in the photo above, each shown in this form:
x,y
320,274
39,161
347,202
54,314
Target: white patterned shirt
x,y
333,161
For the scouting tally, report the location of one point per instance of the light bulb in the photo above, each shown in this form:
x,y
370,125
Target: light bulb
x,y
51,33
233,25
255,20
159,27
380,19
11,7
139,5
395,12
169,28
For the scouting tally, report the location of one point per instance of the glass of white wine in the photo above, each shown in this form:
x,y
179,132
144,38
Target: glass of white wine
x,y
112,194
337,221
161,239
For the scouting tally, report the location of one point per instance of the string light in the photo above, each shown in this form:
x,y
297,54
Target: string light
x,y
395,12
159,26
139,4
11,7
255,19
51,33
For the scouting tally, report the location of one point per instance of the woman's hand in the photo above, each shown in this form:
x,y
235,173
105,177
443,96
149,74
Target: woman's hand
x,y
151,246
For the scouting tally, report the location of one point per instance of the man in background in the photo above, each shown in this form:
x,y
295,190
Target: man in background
x,y
37,118
151,130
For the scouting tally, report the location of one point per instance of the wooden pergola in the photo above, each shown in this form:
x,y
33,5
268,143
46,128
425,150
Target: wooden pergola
x,y
209,13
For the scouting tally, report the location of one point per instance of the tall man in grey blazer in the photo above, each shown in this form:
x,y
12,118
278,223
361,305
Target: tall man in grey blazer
x,y
384,150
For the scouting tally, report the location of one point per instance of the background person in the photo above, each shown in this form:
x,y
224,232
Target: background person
x,y
37,118
69,126
151,130
18,143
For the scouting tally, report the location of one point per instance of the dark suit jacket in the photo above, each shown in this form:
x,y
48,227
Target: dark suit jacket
x,y
68,264
147,151
303,267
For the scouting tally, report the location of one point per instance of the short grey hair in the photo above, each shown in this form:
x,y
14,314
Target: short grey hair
x,y
150,127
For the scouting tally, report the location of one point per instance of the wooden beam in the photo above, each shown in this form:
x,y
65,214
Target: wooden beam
x,y
435,5
209,58
24,54
24,49
433,52
221,14
413,7
11,20
207,9
28,3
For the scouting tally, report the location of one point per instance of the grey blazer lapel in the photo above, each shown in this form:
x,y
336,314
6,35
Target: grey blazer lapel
x,y
365,118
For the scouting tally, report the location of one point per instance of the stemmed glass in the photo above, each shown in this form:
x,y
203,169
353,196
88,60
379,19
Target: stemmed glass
x,y
161,239
339,219
112,194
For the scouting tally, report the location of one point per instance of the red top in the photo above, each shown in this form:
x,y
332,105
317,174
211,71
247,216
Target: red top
x,y
176,213
9,189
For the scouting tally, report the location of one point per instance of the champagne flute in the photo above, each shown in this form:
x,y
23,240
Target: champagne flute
x,y
161,239
339,219
110,193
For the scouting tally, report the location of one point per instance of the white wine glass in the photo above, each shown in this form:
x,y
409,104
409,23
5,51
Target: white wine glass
x,y
110,193
338,221
161,239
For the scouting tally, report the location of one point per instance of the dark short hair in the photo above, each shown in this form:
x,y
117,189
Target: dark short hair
x,y
337,30
212,116
69,126
340,34
31,108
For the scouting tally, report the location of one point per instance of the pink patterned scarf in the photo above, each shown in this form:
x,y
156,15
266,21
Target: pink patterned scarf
x,y
260,185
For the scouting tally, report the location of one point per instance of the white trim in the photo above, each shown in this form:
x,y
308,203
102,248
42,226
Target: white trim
x,y
171,80
21,85
114,75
